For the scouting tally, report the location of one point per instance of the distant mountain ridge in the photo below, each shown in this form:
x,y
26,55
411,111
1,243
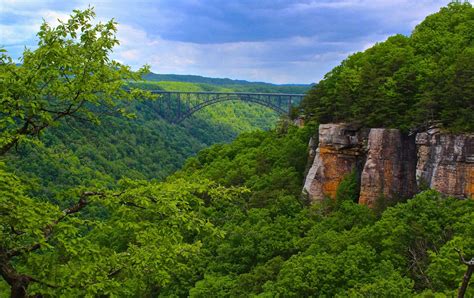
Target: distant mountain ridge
x,y
207,80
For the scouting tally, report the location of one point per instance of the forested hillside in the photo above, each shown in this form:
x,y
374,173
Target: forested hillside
x,y
406,81
91,203
236,85
274,244
144,147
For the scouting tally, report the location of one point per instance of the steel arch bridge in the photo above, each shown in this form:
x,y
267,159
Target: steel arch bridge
x,y
176,106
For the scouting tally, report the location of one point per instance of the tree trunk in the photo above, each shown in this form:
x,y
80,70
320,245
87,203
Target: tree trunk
x,y
465,281
18,282
18,289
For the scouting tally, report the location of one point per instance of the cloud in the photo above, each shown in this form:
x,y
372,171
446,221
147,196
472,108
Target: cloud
x,y
20,20
231,21
282,41
291,60
14,35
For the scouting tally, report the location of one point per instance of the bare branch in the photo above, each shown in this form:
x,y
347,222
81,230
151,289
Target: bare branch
x,y
114,272
462,259
467,275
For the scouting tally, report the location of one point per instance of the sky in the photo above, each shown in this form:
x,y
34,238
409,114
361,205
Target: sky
x,y
277,41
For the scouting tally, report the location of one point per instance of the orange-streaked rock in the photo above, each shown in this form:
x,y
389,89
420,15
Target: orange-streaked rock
x,y
340,150
389,171
391,166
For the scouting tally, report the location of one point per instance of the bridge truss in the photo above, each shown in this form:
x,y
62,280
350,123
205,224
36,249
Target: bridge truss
x,y
179,105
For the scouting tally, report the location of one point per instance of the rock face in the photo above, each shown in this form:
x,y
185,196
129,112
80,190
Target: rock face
x,y
389,172
446,162
340,151
392,166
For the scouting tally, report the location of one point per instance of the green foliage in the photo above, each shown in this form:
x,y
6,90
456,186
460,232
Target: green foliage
x,y
444,269
213,286
324,274
348,189
150,230
236,85
67,75
194,237
235,115
406,82
145,147
79,215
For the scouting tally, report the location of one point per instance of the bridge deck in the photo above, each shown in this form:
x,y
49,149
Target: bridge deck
x,y
227,93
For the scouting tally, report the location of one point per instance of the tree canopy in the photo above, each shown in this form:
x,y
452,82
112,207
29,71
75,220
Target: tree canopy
x,y
406,82
70,74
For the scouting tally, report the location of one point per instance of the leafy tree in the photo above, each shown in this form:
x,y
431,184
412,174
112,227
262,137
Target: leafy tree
x,y
70,74
124,241
149,233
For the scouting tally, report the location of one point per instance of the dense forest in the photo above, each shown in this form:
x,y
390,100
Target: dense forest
x,y
145,147
406,81
96,198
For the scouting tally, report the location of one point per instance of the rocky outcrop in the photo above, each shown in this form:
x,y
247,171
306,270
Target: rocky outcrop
x,y
299,121
391,166
340,151
389,172
446,162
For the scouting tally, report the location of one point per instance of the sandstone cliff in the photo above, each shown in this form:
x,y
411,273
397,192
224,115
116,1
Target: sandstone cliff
x,y
446,162
389,172
340,151
388,163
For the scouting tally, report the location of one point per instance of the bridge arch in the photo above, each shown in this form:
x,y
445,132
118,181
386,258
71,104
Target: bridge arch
x,y
224,98
182,104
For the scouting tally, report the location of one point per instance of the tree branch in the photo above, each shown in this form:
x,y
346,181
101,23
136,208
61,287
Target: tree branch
x,y
14,231
48,230
462,259
467,275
